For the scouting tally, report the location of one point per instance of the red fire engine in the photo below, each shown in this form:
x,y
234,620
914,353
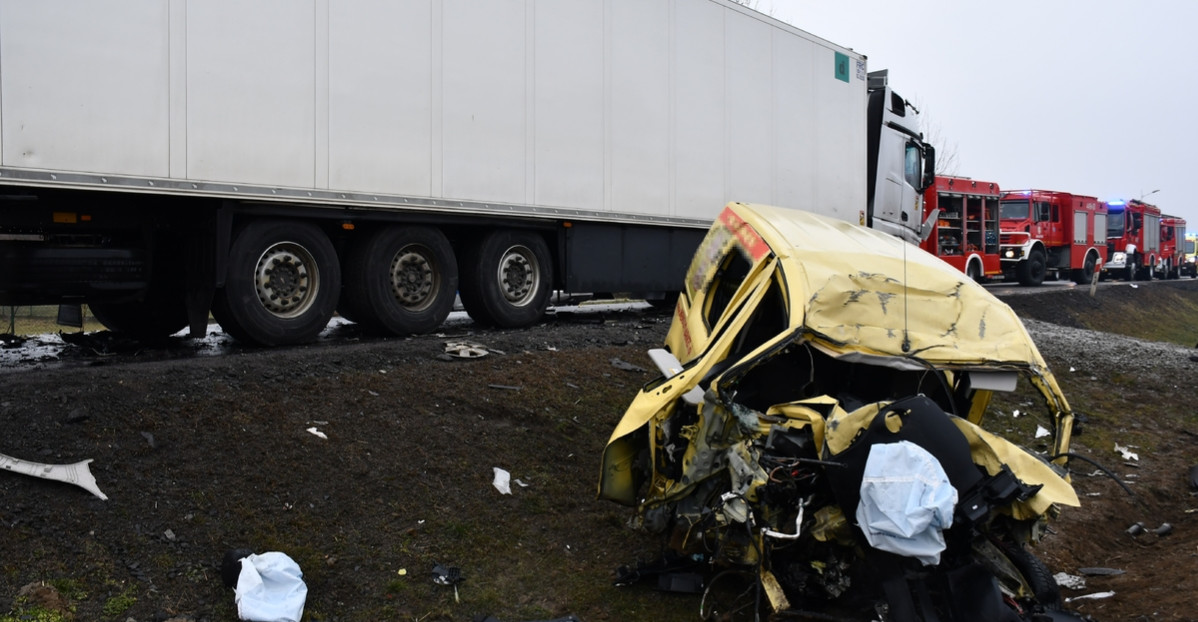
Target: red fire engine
x,y
965,233
1133,240
1173,262
1046,232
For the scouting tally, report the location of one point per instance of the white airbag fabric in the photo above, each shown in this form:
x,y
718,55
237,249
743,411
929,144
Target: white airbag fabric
x,y
906,501
270,588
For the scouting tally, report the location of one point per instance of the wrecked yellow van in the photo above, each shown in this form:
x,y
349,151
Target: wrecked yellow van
x,y
817,428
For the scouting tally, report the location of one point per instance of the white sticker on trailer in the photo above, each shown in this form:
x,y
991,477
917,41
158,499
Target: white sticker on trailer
x,y
861,69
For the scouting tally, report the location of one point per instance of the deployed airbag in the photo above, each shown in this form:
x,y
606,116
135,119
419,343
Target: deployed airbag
x,y
906,501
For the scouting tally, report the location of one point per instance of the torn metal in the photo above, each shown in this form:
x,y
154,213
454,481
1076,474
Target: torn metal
x,y
818,421
78,473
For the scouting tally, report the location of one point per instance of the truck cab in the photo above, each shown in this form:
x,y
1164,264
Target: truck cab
x,y
1173,247
1049,233
1133,240
901,165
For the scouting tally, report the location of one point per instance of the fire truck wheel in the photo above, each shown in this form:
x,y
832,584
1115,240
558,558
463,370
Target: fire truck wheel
x,y
506,278
282,284
974,272
1086,273
400,280
1031,272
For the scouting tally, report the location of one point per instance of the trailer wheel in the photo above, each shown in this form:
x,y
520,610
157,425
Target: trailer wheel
x,y
155,318
282,284
401,280
1031,272
506,279
1086,273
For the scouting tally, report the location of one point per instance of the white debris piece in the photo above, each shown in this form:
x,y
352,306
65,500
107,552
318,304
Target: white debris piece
x,y
1126,453
503,481
1071,581
1041,431
78,473
1015,413
314,432
1094,596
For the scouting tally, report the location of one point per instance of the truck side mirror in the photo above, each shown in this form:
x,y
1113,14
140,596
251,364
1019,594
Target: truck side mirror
x,y
929,167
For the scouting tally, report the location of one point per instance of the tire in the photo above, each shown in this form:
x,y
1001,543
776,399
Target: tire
x,y
1031,271
506,279
1038,576
400,281
282,284
974,272
1086,273
159,316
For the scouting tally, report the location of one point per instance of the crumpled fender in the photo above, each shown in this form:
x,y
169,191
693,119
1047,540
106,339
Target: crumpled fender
x,y
992,451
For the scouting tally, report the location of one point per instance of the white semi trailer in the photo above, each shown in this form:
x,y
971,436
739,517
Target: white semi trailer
x,y
275,162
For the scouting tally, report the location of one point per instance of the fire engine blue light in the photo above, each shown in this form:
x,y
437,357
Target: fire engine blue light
x,y
1114,202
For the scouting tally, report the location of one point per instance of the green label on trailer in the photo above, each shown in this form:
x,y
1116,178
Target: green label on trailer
x,y
842,67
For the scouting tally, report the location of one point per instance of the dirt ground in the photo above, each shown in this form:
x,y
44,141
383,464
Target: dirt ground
x,y
201,454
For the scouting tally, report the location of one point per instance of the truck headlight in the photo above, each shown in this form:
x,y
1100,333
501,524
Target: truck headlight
x,y
1010,254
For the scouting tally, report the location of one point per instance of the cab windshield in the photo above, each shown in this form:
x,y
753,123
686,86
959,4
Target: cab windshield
x,y
1115,223
1014,210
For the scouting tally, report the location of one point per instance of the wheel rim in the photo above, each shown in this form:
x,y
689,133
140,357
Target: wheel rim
x,y
286,280
414,278
519,275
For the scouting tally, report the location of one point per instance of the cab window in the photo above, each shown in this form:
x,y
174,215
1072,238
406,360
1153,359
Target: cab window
x,y
727,280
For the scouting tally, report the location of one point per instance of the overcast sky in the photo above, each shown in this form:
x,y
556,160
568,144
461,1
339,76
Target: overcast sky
x,y
1092,97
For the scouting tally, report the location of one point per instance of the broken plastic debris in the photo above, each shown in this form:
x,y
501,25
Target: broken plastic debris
x,y
1136,529
1041,432
1070,581
465,350
1015,413
448,575
1126,453
78,473
1094,596
318,433
503,481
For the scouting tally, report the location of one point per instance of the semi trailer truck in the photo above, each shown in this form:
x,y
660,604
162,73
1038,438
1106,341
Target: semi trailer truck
x,y
273,163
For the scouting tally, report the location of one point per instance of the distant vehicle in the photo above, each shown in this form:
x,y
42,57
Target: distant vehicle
x,y
1133,240
1174,259
803,386
274,163
965,231
1048,233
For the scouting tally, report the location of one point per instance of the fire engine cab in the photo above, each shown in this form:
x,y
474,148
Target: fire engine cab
x,y
965,231
1133,240
1173,263
1046,233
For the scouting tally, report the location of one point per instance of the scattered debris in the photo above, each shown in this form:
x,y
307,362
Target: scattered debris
x,y
502,481
465,350
1100,572
1194,477
1164,530
1126,452
149,439
317,433
1094,596
505,387
1042,431
626,366
269,587
78,473
1070,581
1136,529
448,575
